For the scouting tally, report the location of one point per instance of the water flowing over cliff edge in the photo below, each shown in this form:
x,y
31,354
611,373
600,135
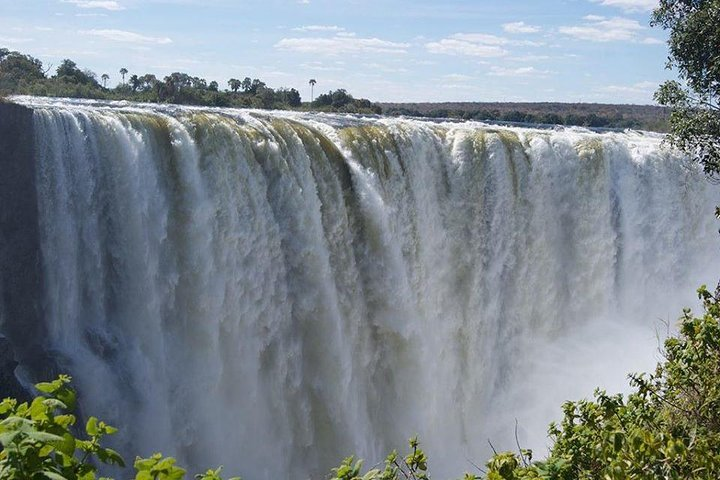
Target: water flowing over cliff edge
x,y
272,291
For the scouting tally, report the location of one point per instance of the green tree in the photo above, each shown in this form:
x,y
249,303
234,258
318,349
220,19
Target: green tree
x,y
123,72
105,77
68,71
135,82
246,84
234,84
694,27
312,83
18,70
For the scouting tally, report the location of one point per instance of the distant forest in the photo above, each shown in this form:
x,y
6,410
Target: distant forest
x,y
22,74
594,115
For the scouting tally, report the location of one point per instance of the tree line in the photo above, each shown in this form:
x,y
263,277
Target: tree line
x,y
25,75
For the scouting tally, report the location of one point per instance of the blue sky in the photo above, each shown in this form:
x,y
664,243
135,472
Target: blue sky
x,y
385,50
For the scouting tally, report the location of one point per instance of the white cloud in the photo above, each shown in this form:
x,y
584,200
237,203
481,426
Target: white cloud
x,y
530,58
476,45
496,71
321,67
319,28
379,67
641,92
520,27
640,87
630,5
652,41
341,45
469,44
14,40
600,29
481,38
457,77
103,4
127,37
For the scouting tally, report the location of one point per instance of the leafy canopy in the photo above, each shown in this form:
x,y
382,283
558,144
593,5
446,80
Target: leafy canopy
x,y
694,51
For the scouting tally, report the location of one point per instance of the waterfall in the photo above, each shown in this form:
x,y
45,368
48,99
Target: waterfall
x,y
273,291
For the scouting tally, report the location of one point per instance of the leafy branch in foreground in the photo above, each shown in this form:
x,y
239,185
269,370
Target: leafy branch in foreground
x,y
38,442
411,467
694,27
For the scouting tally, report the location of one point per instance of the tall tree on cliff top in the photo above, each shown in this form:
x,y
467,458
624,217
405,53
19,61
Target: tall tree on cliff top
x,y
694,27
312,83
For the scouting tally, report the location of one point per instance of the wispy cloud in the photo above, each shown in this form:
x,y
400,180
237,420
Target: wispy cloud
x,y
321,67
14,40
457,77
530,58
102,4
630,5
640,87
469,44
476,45
127,37
601,29
319,28
641,92
520,27
341,44
651,41
496,71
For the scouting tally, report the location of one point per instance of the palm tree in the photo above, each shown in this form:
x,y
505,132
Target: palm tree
x,y
123,72
105,77
234,84
312,83
135,82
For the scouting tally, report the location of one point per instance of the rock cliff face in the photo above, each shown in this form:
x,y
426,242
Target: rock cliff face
x,y
20,275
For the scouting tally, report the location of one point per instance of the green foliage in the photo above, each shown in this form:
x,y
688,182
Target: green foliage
x,y
694,27
341,101
39,442
668,428
37,439
412,467
17,71
23,74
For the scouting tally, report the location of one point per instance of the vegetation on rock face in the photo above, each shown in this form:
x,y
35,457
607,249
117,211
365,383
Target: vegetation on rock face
x,y
694,38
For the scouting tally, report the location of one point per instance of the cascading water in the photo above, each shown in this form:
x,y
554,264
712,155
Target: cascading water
x,y
274,291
